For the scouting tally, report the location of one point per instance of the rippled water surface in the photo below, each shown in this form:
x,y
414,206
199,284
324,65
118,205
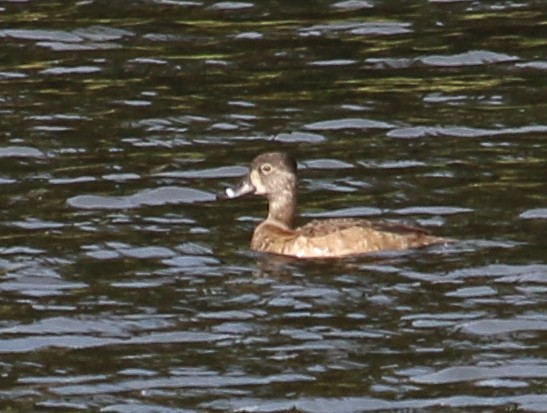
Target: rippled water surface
x,y
124,285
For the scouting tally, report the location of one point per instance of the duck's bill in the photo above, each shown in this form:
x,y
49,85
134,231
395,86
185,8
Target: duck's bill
x,y
244,188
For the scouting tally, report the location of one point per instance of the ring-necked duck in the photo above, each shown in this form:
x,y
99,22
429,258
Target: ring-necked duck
x,y
273,175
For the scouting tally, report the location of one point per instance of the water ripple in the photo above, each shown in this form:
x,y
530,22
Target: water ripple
x,y
20,152
536,213
473,373
471,58
90,38
349,123
461,132
495,327
158,196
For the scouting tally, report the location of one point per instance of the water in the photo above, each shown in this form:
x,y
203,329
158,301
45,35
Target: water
x,y
124,287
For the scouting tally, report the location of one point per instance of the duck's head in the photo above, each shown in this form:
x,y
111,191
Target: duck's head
x,y
270,175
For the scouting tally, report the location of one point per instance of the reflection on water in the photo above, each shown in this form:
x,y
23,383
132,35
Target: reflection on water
x,y
125,288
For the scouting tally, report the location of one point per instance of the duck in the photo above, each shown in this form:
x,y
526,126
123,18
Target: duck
x,y
273,175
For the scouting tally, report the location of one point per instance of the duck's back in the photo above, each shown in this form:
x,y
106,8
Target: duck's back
x,y
339,237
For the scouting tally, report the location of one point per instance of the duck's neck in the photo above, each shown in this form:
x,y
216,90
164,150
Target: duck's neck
x,y
282,208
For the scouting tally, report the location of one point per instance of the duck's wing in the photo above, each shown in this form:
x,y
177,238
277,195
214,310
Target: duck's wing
x,y
319,228
350,236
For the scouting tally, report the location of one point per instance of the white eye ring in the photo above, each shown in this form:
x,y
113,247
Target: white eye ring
x,y
266,168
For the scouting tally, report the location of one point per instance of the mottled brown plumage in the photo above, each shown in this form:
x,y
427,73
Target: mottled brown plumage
x,y
273,175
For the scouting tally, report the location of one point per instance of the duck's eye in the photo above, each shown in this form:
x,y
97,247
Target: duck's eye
x,y
266,168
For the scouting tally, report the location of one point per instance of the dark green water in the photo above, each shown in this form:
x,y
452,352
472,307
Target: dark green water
x,y
124,287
